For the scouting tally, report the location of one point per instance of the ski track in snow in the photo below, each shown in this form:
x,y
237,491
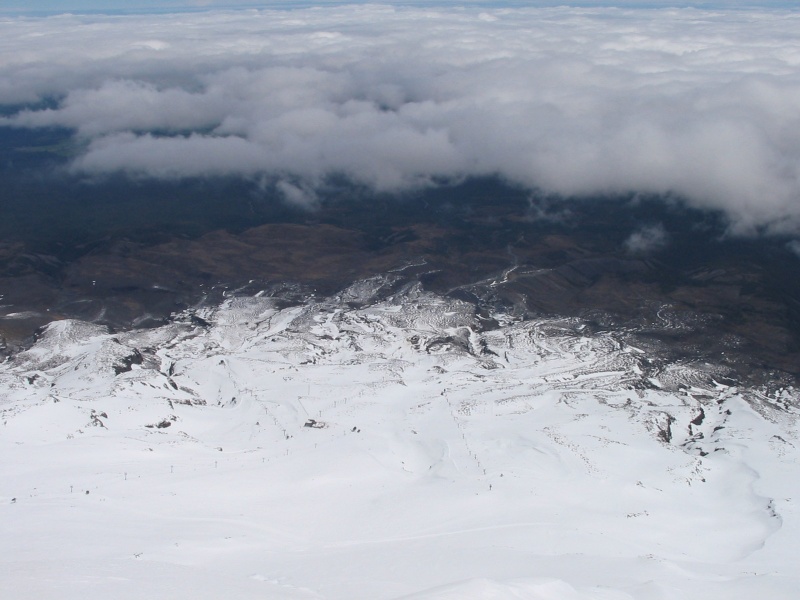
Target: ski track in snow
x,y
526,462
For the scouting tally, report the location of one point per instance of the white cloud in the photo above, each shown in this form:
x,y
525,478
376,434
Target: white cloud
x,y
298,195
120,105
647,239
699,104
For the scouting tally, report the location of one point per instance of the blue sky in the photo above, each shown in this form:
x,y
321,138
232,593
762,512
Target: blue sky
x,y
61,6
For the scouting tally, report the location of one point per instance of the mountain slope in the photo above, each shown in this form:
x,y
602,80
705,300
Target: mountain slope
x,y
387,443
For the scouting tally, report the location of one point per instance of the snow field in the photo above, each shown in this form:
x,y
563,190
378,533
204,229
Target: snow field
x,y
539,471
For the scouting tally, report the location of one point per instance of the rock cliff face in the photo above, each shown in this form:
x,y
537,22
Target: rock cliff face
x,y
386,440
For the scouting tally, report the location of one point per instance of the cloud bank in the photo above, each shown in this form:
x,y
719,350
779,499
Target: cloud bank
x,y
700,105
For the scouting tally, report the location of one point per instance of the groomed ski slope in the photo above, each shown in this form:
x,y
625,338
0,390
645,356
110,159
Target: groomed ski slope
x,y
531,461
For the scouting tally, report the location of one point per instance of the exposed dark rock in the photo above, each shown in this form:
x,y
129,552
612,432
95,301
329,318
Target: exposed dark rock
x,y
664,423
126,363
200,321
163,423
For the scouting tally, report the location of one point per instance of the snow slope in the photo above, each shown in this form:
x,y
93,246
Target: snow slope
x,y
388,451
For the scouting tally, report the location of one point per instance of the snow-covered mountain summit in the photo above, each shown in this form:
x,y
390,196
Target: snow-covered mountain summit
x,y
388,443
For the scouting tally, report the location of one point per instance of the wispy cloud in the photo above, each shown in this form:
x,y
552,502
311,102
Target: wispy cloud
x,y
697,104
646,240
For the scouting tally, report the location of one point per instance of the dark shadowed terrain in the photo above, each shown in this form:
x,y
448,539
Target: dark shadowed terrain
x,y
129,252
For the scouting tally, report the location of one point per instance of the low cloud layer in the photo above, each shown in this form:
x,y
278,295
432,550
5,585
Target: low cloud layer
x,y
693,104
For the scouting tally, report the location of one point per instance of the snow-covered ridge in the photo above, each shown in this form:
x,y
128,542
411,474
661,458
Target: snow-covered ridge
x,y
365,446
